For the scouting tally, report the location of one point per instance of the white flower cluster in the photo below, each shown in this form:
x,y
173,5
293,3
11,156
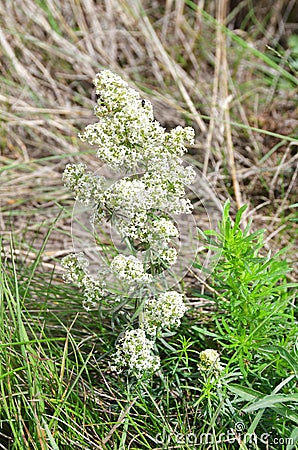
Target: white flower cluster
x,y
76,266
134,207
165,311
128,138
76,271
134,351
210,360
127,134
163,230
86,186
130,269
164,257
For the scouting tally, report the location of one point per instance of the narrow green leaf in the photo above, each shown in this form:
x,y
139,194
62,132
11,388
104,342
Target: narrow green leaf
x,y
284,354
54,446
244,392
293,439
239,215
271,400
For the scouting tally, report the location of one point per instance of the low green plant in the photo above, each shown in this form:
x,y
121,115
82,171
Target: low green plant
x,y
253,296
254,323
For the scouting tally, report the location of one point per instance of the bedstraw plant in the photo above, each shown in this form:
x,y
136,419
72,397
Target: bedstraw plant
x,y
254,298
140,206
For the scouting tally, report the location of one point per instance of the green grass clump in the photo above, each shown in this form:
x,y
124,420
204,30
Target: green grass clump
x,y
46,401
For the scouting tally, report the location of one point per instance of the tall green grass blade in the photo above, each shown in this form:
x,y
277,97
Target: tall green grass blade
x,y
271,400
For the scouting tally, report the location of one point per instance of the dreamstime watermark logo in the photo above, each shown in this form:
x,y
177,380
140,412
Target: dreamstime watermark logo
x,y
234,435
96,242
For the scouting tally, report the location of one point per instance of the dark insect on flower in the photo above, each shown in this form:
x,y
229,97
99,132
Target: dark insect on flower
x,y
143,103
99,99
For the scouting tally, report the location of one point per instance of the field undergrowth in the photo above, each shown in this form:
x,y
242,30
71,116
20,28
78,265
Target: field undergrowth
x,y
229,71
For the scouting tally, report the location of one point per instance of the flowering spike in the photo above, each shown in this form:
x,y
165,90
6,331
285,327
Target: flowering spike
x,y
127,138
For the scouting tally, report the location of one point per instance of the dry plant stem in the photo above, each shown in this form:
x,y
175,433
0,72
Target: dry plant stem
x,y
244,118
276,16
276,175
166,20
175,74
120,420
179,15
197,25
214,102
291,185
222,6
21,71
206,285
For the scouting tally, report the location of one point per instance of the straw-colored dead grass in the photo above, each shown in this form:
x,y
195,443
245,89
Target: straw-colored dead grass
x,y
190,68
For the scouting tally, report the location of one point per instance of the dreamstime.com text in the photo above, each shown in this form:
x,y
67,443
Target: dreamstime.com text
x,y
234,435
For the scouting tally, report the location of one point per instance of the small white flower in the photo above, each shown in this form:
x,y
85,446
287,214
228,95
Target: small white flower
x,y
86,186
75,266
93,291
130,269
209,360
176,138
168,256
164,229
126,196
165,311
76,271
134,352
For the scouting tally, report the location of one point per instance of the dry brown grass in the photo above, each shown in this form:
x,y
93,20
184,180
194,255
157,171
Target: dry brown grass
x,y
192,71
